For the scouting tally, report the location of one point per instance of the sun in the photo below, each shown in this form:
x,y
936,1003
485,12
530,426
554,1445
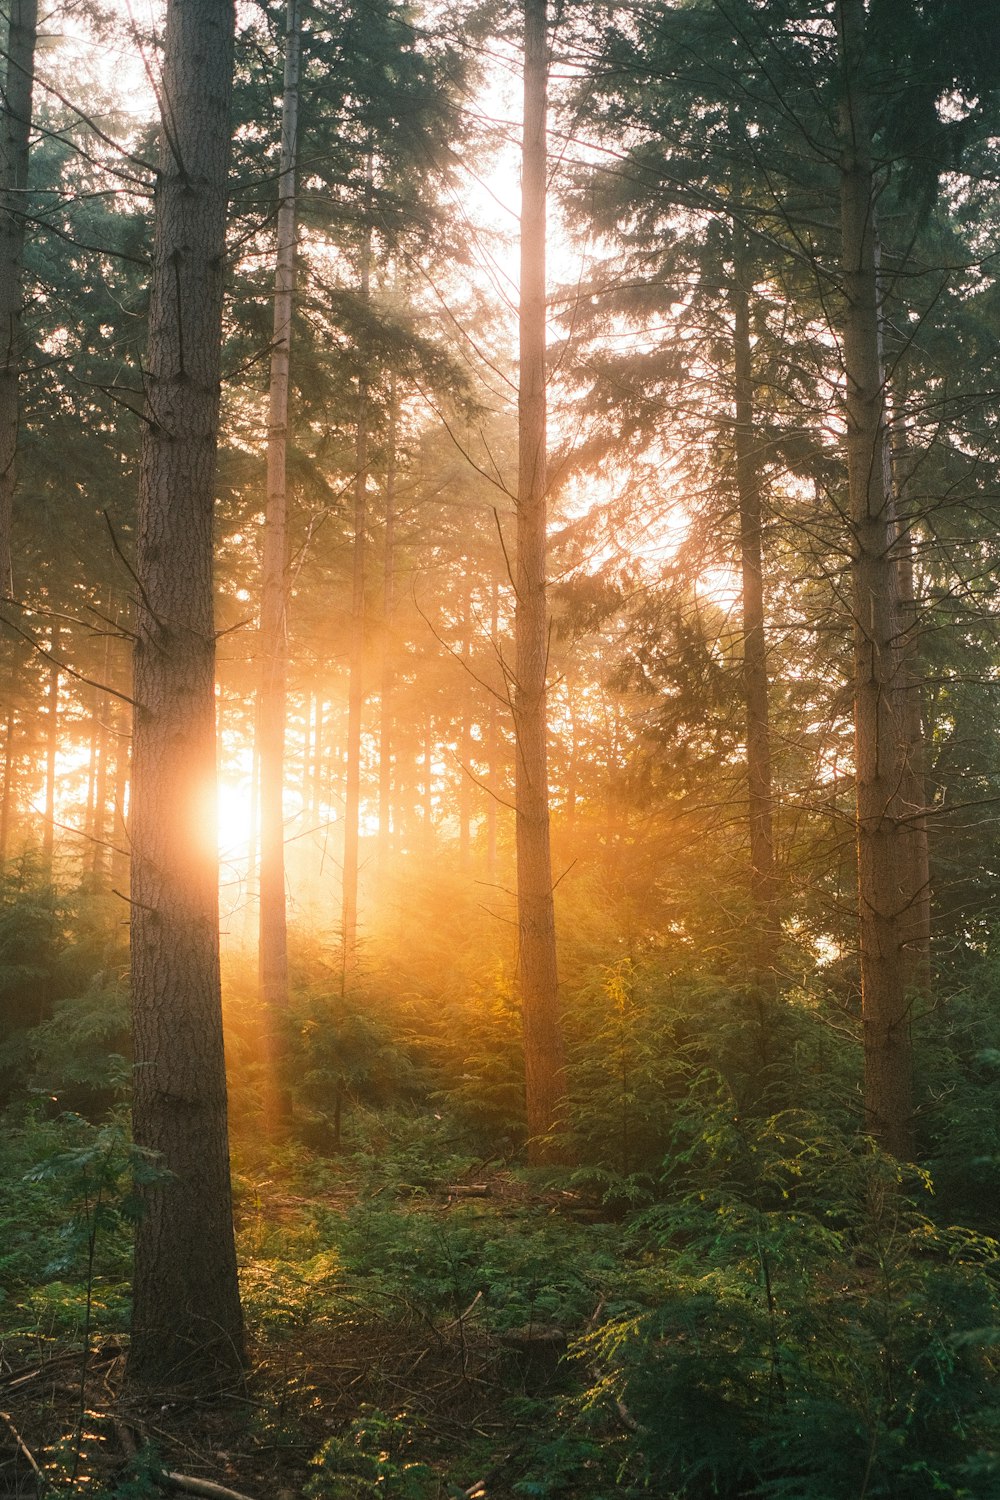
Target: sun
x,y
235,820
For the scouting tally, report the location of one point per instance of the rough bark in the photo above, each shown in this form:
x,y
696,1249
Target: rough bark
x,y
755,672
880,751
272,691
539,980
15,131
186,1319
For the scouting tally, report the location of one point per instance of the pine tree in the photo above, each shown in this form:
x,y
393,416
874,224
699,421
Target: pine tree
x,y
186,1316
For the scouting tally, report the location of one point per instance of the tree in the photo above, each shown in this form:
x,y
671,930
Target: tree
x,y
15,130
272,704
543,1044
186,1317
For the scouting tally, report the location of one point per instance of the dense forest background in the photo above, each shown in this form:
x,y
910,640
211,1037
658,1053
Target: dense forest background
x,y
609,969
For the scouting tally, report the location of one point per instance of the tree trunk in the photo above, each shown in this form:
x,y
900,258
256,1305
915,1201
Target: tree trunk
x,y
15,132
545,1085
121,833
880,752
913,788
388,664
51,751
755,678
273,708
186,1318
465,745
356,687
8,785
492,749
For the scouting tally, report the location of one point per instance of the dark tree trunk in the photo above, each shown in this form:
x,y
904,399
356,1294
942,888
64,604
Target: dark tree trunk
x,y
880,751
543,1042
273,943
186,1319
15,132
755,678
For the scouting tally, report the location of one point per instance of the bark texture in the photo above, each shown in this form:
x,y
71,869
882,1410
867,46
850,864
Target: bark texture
x,y
15,131
880,741
273,943
543,1042
186,1318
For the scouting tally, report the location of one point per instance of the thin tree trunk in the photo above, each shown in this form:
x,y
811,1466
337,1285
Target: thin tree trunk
x,y
51,751
388,664
273,705
755,676
492,750
15,132
120,829
465,746
913,788
8,785
356,686
187,1324
880,752
316,777
545,1085
99,853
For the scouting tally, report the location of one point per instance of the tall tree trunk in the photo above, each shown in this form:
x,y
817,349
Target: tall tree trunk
x,y
186,1319
388,664
755,678
51,751
492,749
465,745
6,800
356,686
545,1085
880,752
120,823
913,788
99,832
15,132
272,693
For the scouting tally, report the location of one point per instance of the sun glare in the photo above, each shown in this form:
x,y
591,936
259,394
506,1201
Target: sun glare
x,y
235,819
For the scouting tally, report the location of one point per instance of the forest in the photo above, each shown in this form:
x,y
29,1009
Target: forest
x,y
500,749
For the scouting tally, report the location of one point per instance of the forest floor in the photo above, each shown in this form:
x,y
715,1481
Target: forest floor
x,y
407,1333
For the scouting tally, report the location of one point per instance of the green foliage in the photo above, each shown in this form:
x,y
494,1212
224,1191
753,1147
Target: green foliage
x,y
372,1459
793,1284
958,1058
63,1000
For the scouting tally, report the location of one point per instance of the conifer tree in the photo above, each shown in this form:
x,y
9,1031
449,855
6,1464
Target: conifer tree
x,y
186,1316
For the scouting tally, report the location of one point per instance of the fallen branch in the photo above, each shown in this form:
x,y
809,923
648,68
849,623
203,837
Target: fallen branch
x,y
23,1447
192,1486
